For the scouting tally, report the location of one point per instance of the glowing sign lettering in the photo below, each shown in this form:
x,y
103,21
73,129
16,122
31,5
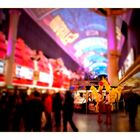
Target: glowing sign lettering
x,y
62,31
1,67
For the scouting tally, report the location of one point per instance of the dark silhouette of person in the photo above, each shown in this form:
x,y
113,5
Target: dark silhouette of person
x,y
133,100
34,109
25,98
68,109
57,107
18,114
121,106
126,102
10,110
3,114
25,101
48,112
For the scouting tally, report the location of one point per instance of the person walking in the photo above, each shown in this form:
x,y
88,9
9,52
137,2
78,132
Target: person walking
x,y
68,109
34,109
57,107
133,101
48,112
18,114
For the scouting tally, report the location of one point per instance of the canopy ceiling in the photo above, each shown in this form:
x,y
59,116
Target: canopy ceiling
x,y
80,32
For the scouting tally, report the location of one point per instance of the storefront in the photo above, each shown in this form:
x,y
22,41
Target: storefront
x,y
2,58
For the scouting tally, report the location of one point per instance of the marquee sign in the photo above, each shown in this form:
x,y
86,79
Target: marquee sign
x,y
1,67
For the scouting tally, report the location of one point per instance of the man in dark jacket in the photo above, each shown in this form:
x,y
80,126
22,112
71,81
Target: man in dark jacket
x,y
68,109
34,109
57,107
132,108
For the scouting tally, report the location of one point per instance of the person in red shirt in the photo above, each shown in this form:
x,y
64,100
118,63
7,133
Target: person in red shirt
x,y
48,112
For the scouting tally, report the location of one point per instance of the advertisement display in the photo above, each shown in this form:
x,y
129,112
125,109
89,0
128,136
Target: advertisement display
x,y
120,74
129,60
1,67
24,72
44,77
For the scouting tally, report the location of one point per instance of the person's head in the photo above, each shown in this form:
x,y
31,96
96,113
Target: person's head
x,y
57,94
68,94
36,94
81,94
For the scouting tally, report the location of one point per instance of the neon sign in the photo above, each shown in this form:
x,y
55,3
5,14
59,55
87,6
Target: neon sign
x,y
24,72
1,67
129,60
44,77
62,31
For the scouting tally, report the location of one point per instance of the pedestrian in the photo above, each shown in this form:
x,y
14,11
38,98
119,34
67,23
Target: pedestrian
x,y
57,107
126,102
18,114
68,109
133,100
34,109
48,112
4,115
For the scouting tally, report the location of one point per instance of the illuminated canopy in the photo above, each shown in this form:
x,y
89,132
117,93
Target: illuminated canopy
x,y
92,52
80,32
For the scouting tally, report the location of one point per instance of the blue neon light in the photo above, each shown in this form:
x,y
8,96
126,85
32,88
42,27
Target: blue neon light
x,y
91,42
91,49
97,58
81,19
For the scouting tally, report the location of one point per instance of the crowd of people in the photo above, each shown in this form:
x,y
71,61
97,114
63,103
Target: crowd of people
x,y
36,112
20,112
132,100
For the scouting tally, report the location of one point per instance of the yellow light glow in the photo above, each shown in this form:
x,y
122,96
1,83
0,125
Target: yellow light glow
x,y
118,33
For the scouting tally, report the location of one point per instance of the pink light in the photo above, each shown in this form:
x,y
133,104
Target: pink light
x,y
111,33
9,46
9,49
